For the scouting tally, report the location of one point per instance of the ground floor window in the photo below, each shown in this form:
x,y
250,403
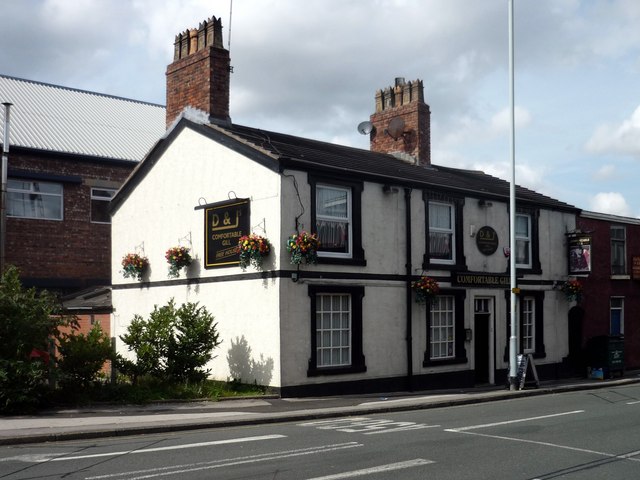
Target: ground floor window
x,y
528,325
336,330
445,329
616,309
531,328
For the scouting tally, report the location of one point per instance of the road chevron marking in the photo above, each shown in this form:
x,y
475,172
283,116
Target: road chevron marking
x,y
508,422
381,468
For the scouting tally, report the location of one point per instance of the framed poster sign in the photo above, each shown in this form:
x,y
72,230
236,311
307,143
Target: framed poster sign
x,y
579,254
224,224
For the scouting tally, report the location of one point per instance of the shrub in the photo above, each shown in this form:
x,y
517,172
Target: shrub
x,y
173,343
83,356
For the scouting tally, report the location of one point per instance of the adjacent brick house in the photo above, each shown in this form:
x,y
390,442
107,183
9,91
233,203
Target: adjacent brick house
x,y
70,150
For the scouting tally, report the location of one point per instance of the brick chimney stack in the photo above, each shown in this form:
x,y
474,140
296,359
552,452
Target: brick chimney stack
x,y
199,76
402,104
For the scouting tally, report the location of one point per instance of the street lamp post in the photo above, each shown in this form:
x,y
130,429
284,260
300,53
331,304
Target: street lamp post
x,y
513,339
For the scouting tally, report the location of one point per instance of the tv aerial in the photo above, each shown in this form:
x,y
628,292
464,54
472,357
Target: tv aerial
x,y
396,128
365,128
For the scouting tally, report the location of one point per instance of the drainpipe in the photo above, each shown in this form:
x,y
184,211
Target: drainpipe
x,y
3,186
407,200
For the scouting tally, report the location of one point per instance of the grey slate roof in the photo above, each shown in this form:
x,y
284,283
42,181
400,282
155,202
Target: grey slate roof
x,y
278,151
309,154
59,119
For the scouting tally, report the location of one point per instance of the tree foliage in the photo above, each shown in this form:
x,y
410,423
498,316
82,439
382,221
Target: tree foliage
x,y
174,343
29,322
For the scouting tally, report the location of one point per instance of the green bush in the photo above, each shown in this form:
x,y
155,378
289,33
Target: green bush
x,y
28,321
82,356
174,343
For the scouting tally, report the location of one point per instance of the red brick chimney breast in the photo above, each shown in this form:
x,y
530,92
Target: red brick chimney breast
x,y
404,101
199,76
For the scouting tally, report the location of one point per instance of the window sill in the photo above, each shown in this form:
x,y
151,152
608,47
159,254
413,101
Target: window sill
x,y
316,372
359,262
449,361
620,277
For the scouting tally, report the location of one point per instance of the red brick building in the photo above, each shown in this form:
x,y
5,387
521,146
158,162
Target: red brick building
x,y
610,303
70,150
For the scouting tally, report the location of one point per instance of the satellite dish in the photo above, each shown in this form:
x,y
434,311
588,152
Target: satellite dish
x,y
365,128
396,128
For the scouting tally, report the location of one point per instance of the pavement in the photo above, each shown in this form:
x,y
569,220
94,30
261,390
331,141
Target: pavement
x,y
120,420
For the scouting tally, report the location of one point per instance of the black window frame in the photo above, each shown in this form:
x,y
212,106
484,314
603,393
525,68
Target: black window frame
x,y
460,263
357,255
623,243
358,364
461,351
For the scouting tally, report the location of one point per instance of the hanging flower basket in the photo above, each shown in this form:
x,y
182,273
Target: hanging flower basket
x,y
177,258
572,290
303,246
134,265
426,289
252,249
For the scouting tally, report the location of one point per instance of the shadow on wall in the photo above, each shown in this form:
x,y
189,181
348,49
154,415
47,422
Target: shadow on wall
x,y
245,369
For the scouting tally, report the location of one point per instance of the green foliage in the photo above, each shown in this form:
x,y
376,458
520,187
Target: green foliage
x,y
174,343
28,321
83,356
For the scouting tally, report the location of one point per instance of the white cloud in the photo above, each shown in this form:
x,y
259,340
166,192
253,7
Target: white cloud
x,y
501,121
605,172
621,139
610,202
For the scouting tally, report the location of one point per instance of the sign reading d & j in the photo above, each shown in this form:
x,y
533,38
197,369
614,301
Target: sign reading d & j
x,y
224,224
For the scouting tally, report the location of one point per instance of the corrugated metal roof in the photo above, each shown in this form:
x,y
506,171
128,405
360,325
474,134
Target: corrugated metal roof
x,y
61,119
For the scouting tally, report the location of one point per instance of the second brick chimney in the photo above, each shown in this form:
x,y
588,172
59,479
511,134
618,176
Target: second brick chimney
x,y
200,73
402,122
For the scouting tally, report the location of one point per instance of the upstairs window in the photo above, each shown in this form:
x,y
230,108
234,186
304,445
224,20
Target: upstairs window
x,y
336,217
100,198
618,251
333,220
523,241
34,199
441,233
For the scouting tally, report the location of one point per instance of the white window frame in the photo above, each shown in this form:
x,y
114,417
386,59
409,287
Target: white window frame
x,y
348,220
619,241
528,321
98,198
449,231
442,321
619,307
33,192
526,238
334,332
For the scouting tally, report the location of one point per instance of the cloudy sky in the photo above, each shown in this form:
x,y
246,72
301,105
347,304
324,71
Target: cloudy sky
x,y
311,68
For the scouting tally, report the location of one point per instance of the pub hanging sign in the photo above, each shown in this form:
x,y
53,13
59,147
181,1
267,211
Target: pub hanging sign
x,y
224,224
579,254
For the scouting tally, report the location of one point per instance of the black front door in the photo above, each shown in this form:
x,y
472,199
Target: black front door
x,y
481,346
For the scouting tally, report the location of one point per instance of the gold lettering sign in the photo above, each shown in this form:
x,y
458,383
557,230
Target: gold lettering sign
x,y
225,223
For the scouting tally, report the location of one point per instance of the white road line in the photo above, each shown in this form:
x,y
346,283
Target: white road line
x,y
55,458
507,422
633,403
626,456
381,468
227,462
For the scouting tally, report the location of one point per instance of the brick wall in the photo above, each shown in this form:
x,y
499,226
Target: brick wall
x,y
73,253
404,101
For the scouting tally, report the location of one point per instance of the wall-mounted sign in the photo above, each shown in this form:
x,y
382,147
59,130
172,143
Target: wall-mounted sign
x,y
579,254
635,268
487,240
224,224
468,279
